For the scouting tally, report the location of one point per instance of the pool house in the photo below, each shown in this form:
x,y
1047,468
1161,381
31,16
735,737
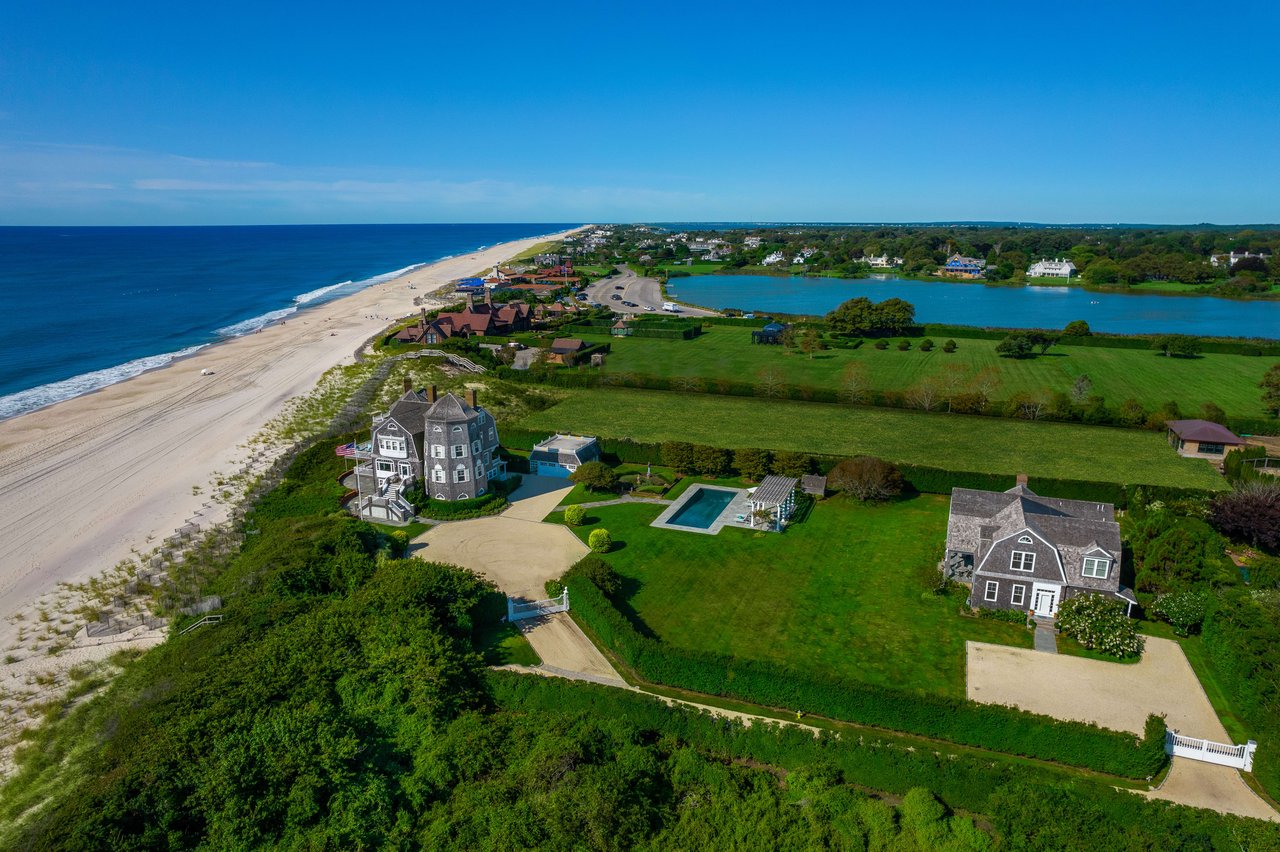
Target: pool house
x,y
772,502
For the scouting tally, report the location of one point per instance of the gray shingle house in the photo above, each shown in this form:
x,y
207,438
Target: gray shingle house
x,y
560,455
449,445
1018,550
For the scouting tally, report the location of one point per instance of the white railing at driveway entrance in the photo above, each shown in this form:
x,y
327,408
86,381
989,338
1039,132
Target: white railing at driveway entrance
x,y
518,609
1207,751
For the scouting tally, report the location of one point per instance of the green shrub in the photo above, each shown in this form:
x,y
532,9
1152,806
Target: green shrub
x,y
600,541
1099,623
882,344
574,515
949,346
596,476
904,345
926,345
598,572
1011,616
399,542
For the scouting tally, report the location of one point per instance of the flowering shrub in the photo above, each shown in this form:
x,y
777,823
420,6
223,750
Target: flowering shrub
x,y
1184,610
1098,622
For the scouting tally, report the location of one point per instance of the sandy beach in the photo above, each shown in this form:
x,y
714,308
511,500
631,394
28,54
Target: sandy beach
x,y
88,481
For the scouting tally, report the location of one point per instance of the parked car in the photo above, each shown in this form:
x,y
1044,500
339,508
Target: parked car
x,y
616,297
619,287
650,308
630,304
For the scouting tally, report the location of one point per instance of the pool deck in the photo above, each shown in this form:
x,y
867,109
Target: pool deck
x,y
739,505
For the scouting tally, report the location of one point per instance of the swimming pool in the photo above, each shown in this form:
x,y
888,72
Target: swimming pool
x,y
701,508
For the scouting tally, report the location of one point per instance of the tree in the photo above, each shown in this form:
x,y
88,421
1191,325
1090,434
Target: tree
x,y
1016,345
1270,385
1131,413
600,541
1178,345
596,476
1081,388
710,461
925,394
1099,623
770,383
574,515
795,465
949,346
752,464
1026,405
866,477
1250,264
1077,328
1103,271
853,382
862,316
1213,413
1250,513
895,315
1042,340
1184,610
810,342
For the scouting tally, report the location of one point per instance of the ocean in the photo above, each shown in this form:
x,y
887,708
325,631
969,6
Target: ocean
x,y
82,308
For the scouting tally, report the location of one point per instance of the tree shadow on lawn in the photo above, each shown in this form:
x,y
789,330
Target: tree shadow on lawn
x,y
622,602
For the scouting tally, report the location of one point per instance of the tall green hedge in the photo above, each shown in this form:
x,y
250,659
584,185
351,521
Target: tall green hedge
x,y
991,727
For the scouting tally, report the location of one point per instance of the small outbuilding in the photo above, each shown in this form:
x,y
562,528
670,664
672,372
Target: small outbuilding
x,y
770,334
564,350
561,455
1202,439
773,501
813,484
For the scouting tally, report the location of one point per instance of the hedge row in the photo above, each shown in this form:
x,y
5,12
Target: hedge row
x,y
992,727
927,480
587,378
1218,345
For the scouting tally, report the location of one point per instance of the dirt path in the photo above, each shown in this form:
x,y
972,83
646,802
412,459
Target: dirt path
x,y
562,646
1219,788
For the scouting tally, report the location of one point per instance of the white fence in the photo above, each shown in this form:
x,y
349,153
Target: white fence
x,y
518,609
1223,754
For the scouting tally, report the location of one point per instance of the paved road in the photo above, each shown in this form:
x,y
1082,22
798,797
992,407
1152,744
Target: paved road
x,y
645,292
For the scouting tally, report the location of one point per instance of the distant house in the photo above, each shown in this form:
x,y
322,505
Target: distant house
x,y
621,328
564,350
773,500
484,320
959,266
882,261
1051,269
546,259
561,455
752,242
1020,551
773,258
1230,258
770,334
451,446
1202,439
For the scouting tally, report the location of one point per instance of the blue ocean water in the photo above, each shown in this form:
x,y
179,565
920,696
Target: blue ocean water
x,y
1003,307
81,308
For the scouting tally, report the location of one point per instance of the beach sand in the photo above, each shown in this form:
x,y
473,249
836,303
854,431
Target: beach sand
x,y
90,481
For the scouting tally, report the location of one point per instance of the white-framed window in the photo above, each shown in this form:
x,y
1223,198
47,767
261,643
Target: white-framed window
x,y
440,497
460,474
464,496
459,451
479,470
391,445
457,428
493,436
1022,560
436,428
386,466
437,451
475,448
405,470
1018,594
992,591
1096,567
437,475
1025,539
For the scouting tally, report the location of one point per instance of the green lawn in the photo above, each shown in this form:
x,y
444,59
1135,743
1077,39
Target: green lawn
x,y
847,592
722,352
503,644
954,442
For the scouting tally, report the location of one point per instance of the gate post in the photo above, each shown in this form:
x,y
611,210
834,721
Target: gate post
x,y
511,610
1249,748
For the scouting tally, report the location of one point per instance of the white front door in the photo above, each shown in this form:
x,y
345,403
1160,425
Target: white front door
x,y
1044,600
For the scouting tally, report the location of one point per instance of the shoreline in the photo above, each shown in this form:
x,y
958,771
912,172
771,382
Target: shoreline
x,y
295,310
94,479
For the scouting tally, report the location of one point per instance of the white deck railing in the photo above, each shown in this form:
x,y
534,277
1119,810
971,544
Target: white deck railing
x,y
1207,751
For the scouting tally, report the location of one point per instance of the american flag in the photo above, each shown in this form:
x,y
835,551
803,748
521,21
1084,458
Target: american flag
x,y
346,449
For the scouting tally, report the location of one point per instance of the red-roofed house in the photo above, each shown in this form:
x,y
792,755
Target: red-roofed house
x,y
1202,439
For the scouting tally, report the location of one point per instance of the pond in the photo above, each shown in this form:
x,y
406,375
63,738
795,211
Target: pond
x,y
977,304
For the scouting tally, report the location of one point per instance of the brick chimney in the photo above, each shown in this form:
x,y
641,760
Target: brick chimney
x,y
472,398
408,384
1022,480
488,296
432,394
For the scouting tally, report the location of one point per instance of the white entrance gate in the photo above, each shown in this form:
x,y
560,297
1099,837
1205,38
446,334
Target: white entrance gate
x,y
518,609
1223,754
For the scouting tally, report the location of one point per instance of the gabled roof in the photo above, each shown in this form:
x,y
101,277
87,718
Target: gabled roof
x,y
567,344
1204,430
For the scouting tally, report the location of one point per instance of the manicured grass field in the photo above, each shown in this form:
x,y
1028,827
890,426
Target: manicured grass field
x,y
1230,381
954,442
848,592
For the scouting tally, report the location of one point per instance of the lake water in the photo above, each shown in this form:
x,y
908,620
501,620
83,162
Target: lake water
x,y
980,305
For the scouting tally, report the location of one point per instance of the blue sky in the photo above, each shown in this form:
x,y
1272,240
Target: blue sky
x,y
150,113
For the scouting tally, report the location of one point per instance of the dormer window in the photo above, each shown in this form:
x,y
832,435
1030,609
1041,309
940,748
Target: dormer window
x,y
1022,561
457,428
1096,567
1025,539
